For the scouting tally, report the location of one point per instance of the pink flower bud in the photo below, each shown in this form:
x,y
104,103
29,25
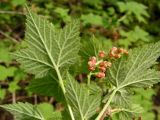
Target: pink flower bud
x,y
93,59
113,52
125,52
91,63
102,69
91,68
100,75
117,56
103,64
101,54
120,50
109,64
114,49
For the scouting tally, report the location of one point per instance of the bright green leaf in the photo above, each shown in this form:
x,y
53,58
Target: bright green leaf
x,y
3,73
91,19
13,86
2,93
46,109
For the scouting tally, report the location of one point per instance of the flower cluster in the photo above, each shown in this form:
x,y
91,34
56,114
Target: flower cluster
x,y
99,65
117,52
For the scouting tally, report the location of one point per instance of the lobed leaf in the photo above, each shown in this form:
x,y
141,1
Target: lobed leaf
x,y
136,70
24,111
83,104
48,48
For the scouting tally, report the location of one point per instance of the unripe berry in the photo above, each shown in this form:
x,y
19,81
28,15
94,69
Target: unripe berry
x,y
101,54
100,75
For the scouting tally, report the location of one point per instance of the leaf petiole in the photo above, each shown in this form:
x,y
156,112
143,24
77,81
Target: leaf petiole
x,y
101,114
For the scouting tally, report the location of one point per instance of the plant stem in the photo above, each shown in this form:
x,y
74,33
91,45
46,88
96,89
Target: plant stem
x,y
64,91
101,114
14,97
89,78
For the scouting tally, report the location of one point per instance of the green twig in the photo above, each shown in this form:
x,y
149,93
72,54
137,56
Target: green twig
x,y
101,114
64,91
9,37
89,78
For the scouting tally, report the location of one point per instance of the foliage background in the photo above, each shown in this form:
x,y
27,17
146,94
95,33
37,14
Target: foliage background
x,y
124,23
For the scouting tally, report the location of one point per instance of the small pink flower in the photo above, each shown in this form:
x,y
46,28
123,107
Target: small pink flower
x,y
105,64
102,69
91,63
100,75
109,64
101,54
120,50
91,68
117,56
114,49
113,52
126,52
93,59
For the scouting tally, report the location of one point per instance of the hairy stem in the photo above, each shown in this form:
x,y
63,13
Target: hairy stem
x,y
101,114
64,91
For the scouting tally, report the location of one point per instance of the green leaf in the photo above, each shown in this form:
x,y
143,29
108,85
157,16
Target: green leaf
x,y
48,48
24,111
137,9
4,54
11,71
13,86
3,74
83,104
91,19
136,70
121,98
18,2
43,107
46,86
56,116
125,113
2,93
93,3
63,13
133,36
